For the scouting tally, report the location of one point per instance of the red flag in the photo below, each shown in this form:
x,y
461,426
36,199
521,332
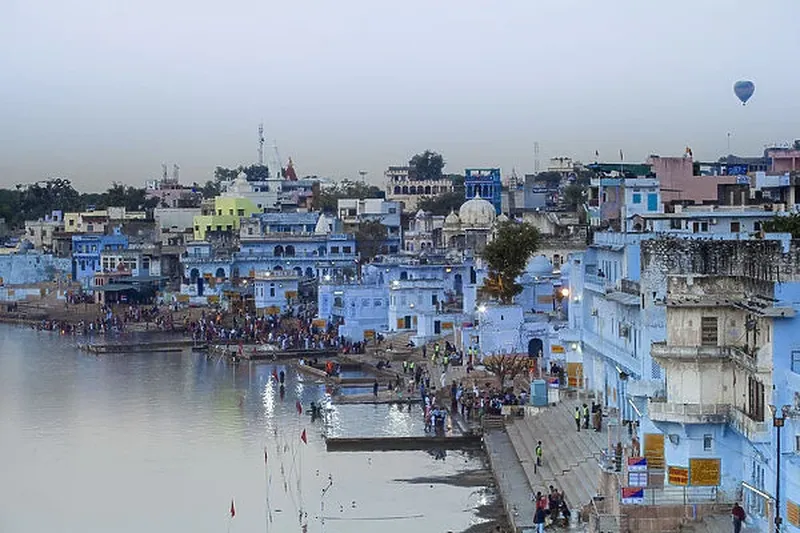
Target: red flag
x,y
265,455
275,373
233,510
299,407
303,437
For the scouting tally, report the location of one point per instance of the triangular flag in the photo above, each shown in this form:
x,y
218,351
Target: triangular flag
x,y
303,437
233,509
299,407
265,455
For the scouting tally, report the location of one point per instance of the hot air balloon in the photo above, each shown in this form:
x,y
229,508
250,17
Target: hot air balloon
x,y
744,89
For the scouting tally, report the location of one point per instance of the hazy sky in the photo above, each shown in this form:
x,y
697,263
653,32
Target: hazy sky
x,y
104,90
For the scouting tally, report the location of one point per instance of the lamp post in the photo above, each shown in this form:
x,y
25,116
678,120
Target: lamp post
x,y
778,420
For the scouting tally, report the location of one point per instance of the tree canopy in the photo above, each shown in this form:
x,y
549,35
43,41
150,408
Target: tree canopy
x,y
507,255
442,204
328,198
428,165
254,173
784,224
370,236
35,200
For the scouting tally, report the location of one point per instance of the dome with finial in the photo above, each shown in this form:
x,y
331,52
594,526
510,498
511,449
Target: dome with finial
x,y
502,218
452,220
477,213
420,214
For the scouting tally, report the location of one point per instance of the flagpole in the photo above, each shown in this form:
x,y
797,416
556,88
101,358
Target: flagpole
x,y
322,503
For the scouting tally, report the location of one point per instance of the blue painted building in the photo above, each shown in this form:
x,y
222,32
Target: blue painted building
x,y
484,183
87,249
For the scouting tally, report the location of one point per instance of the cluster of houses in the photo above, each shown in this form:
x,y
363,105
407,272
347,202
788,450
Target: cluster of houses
x,y
664,295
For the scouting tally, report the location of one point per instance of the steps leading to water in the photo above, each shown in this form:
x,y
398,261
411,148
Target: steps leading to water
x,y
570,458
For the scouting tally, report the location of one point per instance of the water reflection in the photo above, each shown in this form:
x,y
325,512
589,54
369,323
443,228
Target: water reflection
x,y
162,442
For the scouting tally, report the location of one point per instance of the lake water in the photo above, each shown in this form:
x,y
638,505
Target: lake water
x,y
163,442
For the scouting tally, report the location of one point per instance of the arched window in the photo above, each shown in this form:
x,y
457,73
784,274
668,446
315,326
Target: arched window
x,y
397,189
220,273
321,251
289,252
405,189
427,189
278,251
403,275
337,302
413,189
277,268
194,275
309,272
298,271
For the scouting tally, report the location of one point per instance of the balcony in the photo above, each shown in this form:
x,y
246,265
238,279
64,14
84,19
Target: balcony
x,y
734,354
688,413
752,430
596,283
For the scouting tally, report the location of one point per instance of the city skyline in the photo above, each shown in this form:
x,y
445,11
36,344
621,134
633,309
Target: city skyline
x,y
106,93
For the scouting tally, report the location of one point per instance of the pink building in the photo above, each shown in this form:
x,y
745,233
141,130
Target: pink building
x,y
784,161
678,182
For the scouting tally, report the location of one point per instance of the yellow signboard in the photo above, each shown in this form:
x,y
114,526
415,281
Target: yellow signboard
x,y
654,450
273,310
319,323
213,299
793,513
575,374
705,472
447,325
556,348
678,475
183,298
291,294
369,333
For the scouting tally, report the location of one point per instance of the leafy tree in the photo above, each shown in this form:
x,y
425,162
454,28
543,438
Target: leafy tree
x,y
574,195
41,198
784,224
442,204
427,166
131,198
329,198
507,366
507,255
226,174
551,178
370,236
211,189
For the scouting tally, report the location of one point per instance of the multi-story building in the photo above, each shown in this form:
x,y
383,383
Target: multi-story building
x,y
275,292
226,216
484,183
729,356
100,221
353,211
359,309
87,250
402,186
40,232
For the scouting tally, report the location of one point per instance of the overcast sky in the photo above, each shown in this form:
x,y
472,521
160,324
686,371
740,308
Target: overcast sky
x,y
104,90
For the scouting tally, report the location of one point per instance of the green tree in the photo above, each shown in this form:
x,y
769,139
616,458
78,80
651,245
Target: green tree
x,y
370,236
427,166
507,255
211,189
442,204
329,198
574,195
226,174
784,224
41,198
131,198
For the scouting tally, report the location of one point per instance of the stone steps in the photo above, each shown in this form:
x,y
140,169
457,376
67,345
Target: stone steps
x,y
570,459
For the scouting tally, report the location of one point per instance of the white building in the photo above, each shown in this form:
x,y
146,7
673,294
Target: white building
x,y
359,310
275,292
402,187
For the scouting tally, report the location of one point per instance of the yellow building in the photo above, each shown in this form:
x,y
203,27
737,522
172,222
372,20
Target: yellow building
x,y
227,215
98,221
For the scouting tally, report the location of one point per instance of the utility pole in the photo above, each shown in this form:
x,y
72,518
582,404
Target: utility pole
x,y
261,145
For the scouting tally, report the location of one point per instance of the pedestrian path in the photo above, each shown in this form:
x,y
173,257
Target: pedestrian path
x,y
717,524
571,459
511,480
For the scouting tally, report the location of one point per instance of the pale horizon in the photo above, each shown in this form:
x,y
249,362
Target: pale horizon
x,y
98,92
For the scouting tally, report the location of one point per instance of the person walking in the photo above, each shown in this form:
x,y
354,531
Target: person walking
x,y
578,418
539,455
739,517
539,518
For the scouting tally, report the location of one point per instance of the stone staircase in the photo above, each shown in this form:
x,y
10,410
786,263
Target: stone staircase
x,y
571,459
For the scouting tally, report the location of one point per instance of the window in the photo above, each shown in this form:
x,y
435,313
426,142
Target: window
x,y
346,250
272,291
230,211
334,249
240,212
708,331
797,444
757,226
755,399
708,442
796,361
637,198
736,227
434,299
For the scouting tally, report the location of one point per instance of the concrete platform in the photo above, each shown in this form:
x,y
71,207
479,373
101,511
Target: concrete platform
x,y
385,444
138,347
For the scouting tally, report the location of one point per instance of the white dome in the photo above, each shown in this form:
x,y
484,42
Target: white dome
x,y
502,218
420,214
452,219
477,213
539,266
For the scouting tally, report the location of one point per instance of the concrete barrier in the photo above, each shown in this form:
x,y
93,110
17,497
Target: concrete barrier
x,y
385,444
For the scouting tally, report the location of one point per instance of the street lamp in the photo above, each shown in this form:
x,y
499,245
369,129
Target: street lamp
x,y
778,421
